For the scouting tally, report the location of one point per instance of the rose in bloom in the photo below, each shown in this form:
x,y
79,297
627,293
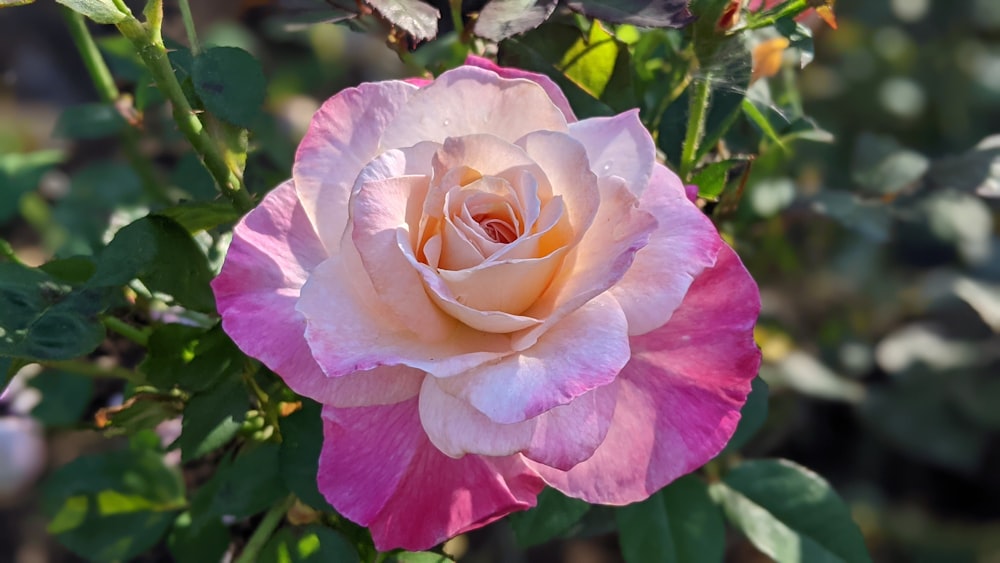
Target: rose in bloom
x,y
488,295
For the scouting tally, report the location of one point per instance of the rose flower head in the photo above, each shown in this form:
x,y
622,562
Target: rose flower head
x,y
488,296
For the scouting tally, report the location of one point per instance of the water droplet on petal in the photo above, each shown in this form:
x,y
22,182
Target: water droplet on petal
x,y
446,122
607,166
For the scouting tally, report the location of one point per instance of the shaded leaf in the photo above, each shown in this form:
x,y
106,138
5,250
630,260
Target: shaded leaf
x,y
202,215
43,319
113,506
230,83
679,524
976,171
412,16
302,440
190,543
212,419
310,544
645,13
162,255
752,416
554,514
499,19
790,513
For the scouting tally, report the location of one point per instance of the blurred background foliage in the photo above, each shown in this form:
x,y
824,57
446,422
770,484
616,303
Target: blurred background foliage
x,y
869,226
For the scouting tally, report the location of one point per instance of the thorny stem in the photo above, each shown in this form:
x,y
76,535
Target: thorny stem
x,y
154,55
264,531
109,94
696,127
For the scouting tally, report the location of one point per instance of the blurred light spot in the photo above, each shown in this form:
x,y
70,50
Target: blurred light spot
x,y
892,43
820,82
768,197
911,10
902,97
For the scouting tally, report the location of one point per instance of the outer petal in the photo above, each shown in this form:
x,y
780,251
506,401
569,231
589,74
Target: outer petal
x,y
684,243
469,100
679,398
618,146
273,249
561,437
379,469
585,351
343,136
550,87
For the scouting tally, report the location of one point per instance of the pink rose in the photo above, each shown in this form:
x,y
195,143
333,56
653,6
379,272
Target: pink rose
x,y
488,295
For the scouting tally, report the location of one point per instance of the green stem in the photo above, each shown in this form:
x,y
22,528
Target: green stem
x,y
770,17
456,16
264,531
154,55
104,83
697,113
136,335
89,369
192,35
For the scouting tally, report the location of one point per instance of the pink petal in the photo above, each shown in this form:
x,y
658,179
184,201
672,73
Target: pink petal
x,y
679,398
618,146
273,249
342,138
349,330
379,469
469,100
584,351
561,437
597,263
550,87
684,243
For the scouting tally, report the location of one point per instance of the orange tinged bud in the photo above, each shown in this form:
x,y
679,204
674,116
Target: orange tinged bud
x,y
767,57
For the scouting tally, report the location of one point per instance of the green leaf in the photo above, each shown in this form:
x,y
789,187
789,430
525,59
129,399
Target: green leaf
x,y
190,543
101,11
90,121
142,412
757,117
14,3
883,167
43,319
72,270
250,484
790,513
20,173
65,397
310,544
230,83
590,62
191,176
644,13
113,506
977,171
752,416
541,50
202,215
302,440
162,255
679,524
711,180
191,357
500,19
554,515
413,16
212,419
